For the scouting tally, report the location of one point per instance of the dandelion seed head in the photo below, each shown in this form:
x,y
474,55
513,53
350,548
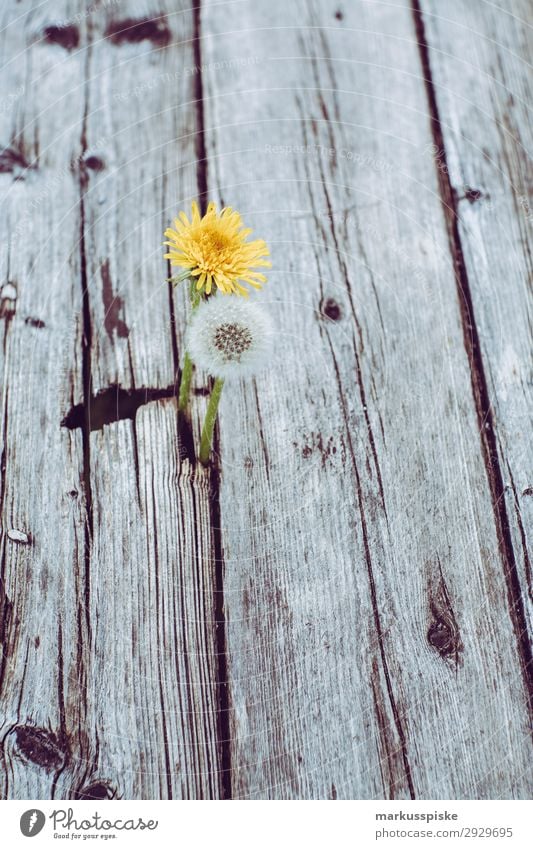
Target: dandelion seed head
x,y
232,340
229,337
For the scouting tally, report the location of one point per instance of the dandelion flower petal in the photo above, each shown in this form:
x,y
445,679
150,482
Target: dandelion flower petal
x,y
215,249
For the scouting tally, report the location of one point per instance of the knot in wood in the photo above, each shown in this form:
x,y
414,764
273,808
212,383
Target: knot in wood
x,y
95,790
40,747
440,636
331,309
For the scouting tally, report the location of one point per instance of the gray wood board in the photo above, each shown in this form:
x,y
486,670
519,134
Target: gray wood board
x,y
42,542
479,63
365,590
334,608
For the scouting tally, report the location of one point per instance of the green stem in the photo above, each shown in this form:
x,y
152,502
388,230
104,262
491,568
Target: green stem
x,y
185,383
209,422
196,296
182,276
186,373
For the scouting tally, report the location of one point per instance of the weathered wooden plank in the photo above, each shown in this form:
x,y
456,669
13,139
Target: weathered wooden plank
x,y
370,628
139,138
117,163
152,561
153,680
371,650
478,63
42,502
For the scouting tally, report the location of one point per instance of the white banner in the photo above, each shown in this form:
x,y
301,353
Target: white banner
x,y
262,824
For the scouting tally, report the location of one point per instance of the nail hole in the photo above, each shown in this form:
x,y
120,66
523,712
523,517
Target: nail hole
x,y
113,305
95,163
472,195
34,322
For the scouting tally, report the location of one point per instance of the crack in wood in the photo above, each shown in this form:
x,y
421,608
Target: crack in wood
x,y
223,714
522,532
113,304
6,604
6,617
84,590
388,758
154,29
134,436
112,405
484,412
346,278
12,160
372,585
167,776
63,736
199,141
66,35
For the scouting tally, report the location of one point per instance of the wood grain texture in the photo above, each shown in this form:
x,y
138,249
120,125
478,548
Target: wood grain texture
x,y
371,646
153,642
153,650
479,63
336,607
41,486
135,178
119,720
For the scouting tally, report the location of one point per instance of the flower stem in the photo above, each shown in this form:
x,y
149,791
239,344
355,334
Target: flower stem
x,y
185,383
186,374
209,422
179,278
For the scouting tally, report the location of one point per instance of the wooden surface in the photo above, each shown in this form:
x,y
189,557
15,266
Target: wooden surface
x,y
340,606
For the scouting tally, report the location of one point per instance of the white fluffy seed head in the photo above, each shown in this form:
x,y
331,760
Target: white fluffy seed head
x,y
229,337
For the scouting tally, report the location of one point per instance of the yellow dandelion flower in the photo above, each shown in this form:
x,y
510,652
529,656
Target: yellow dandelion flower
x,y
214,250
